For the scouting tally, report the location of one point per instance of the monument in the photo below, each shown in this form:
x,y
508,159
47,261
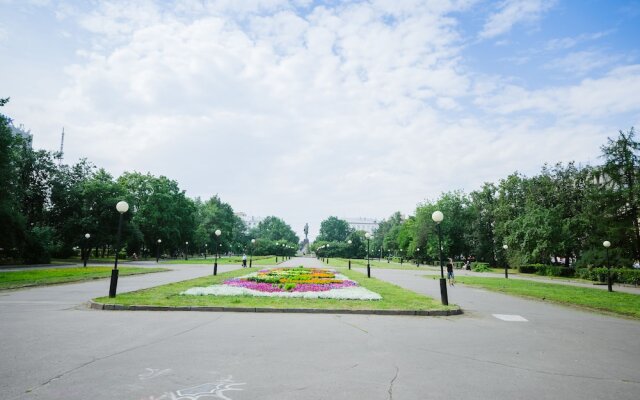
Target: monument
x,y
304,248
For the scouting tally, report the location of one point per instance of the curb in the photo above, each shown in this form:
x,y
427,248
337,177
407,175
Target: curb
x,y
421,313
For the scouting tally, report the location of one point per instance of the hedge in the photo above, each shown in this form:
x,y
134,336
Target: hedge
x,y
620,275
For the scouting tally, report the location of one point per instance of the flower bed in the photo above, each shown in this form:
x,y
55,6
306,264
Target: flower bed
x,y
300,282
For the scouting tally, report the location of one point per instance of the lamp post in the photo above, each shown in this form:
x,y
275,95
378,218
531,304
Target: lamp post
x,y
437,217
253,243
400,257
86,248
606,245
417,257
186,252
506,272
158,251
122,208
215,263
368,237
349,252
205,250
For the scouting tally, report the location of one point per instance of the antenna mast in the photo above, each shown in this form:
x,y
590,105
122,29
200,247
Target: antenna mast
x,y
61,154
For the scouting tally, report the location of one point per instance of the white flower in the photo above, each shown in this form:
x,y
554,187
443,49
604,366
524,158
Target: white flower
x,y
350,293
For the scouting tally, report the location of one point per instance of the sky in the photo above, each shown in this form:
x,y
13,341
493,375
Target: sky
x,y
309,109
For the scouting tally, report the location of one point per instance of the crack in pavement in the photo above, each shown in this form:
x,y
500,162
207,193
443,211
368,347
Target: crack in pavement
x,y
339,318
598,378
391,383
59,376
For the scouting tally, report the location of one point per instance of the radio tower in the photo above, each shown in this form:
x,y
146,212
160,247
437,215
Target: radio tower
x,y
61,148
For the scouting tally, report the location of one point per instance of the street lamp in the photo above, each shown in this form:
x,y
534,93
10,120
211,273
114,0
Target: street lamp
x,y
418,257
158,251
437,217
253,243
368,237
349,252
400,257
186,253
606,245
506,273
122,208
86,248
327,260
205,250
215,263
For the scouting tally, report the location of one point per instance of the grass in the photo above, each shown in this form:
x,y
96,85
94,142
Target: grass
x,y
257,260
393,297
50,276
358,263
624,304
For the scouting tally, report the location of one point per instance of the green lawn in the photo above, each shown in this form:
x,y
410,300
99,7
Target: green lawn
x,y
619,303
358,263
393,297
49,276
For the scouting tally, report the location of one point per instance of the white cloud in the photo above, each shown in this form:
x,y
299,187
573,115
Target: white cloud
x,y
581,63
512,12
590,99
358,109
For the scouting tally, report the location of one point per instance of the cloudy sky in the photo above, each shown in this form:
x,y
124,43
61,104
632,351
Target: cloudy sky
x,y
306,109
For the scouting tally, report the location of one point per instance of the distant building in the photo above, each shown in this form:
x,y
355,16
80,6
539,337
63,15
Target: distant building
x,y
363,224
250,221
21,132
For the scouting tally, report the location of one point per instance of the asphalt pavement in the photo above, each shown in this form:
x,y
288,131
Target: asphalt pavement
x,y
54,347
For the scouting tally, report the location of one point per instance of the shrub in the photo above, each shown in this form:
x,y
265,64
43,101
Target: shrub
x,y
621,275
527,269
628,276
480,267
554,270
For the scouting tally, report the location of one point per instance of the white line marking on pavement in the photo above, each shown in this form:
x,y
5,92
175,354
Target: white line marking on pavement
x,y
510,318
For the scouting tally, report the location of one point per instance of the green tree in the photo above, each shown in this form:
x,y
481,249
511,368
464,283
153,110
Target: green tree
x,y
12,223
334,229
622,173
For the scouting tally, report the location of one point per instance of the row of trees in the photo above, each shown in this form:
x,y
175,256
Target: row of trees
x,y
47,207
561,215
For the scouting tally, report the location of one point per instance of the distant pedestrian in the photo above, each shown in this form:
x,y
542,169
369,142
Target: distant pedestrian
x,y
450,272
244,261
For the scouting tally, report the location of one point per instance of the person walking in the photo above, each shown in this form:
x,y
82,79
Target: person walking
x,y
450,272
244,261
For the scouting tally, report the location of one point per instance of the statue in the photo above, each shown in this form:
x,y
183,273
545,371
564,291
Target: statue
x,y
305,243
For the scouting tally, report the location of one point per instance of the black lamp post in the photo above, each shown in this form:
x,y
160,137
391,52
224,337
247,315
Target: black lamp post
x,y
368,237
506,269
86,248
186,252
417,257
327,254
437,217
400,257
158,250
215,262
122,208
205,250
253,243
349,252
606,245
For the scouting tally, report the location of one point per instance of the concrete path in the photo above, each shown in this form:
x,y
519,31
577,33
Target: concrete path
x,y
53,347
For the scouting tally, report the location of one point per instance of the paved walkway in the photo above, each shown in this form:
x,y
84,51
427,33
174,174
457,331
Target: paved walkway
x,y
502,348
